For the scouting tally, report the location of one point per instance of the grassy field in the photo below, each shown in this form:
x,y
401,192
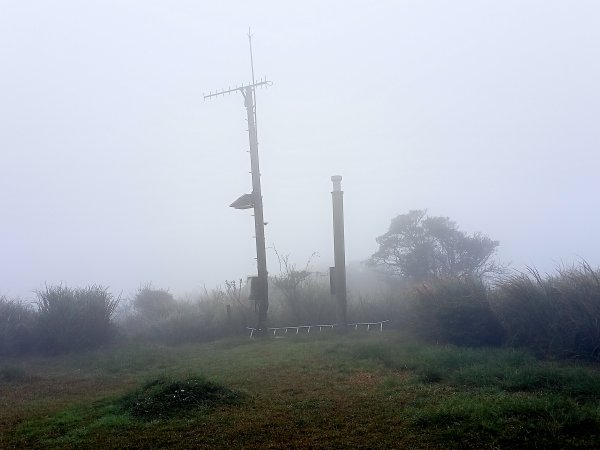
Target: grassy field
x,y
375,390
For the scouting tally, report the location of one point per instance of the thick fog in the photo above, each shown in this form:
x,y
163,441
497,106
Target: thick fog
x,y
115,171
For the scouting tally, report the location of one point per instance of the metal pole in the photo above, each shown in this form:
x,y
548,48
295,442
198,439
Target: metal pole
x,y
339,251
259,223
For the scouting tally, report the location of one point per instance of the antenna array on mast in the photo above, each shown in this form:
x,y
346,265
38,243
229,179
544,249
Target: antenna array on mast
x,y
254,199
263,82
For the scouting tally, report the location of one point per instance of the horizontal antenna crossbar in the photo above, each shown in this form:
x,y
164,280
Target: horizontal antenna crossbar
x,y
238,88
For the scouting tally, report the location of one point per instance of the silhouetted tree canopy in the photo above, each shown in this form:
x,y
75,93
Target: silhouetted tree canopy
x,y
421,248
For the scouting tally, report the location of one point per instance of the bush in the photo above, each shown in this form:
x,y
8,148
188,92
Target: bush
x,y
555,316
211,315
455,311
74,319
192,322
17,327
153,304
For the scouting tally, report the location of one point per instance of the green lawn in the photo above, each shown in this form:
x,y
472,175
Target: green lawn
x,y
373,390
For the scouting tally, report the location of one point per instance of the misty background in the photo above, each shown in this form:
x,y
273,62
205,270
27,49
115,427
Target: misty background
x,y
115,171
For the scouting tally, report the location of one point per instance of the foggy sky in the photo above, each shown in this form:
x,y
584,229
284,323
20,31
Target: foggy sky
x,y
115,171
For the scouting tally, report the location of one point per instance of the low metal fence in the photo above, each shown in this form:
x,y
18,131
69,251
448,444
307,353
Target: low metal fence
x,y
307,328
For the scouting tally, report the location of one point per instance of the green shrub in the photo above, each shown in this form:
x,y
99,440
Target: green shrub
x,y
556,315
164,398
74,318
17,327
455,311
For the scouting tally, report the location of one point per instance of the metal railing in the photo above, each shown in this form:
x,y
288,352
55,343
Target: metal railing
x,y
306,328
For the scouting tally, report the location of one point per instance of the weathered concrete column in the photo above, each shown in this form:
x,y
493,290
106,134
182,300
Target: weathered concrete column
x,y
339,252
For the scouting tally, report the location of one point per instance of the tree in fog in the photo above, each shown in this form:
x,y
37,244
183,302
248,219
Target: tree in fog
x,y
152,303
421,248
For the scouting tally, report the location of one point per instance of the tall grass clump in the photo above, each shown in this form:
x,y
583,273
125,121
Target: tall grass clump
x,y
557,315
455,311
17,327
157,316
74,318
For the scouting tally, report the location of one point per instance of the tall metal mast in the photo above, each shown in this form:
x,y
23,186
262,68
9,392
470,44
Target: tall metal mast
x,y
254,200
